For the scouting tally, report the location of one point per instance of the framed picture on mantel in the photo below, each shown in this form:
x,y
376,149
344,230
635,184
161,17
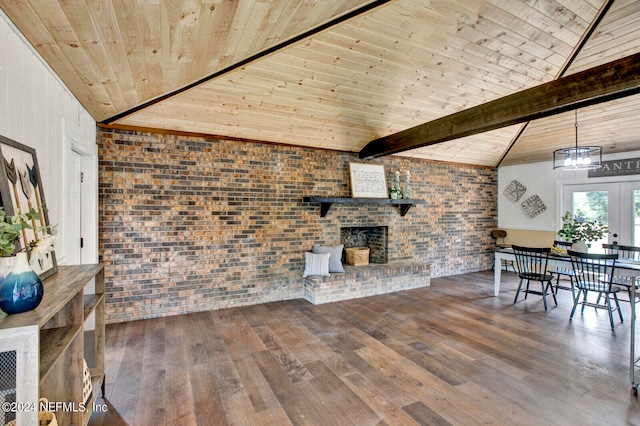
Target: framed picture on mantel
x,y
368,180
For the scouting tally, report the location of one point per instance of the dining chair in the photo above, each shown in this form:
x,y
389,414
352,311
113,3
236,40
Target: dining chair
x,y
623,252
500,235
594,272
631,253
561,271
532,266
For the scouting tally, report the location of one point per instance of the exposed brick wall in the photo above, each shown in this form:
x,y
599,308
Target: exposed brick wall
x,y
190,223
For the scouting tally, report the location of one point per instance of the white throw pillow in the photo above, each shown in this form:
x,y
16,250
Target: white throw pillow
x,y
335,262
316,264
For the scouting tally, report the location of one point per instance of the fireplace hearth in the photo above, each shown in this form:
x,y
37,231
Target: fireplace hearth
x,y
373,237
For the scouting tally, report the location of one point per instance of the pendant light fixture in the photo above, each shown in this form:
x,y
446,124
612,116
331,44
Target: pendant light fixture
x,y
578,157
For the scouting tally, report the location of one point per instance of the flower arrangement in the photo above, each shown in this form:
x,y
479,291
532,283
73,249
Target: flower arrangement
x,y
575,228
395,192
12,229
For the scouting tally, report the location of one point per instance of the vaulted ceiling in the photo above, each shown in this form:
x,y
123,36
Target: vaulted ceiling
x,y
337,74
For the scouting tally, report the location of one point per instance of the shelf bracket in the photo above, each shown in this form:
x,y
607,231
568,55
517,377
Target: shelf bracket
x,y
324,209
404,208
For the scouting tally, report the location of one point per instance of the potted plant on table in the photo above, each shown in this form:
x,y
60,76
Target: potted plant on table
x,y
580,232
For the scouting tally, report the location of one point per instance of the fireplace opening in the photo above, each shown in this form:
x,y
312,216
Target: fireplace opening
x,y
373,237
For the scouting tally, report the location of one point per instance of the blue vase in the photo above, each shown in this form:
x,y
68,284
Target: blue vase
x,y
6,265
22,289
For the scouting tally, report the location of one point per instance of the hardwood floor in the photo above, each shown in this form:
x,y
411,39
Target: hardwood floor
x,y
446,354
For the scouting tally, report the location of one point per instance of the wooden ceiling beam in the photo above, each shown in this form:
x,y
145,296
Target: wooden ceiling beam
x,y
606,82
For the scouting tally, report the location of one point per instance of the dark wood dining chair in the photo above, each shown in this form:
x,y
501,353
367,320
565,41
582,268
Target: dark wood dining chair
x,y
594,272
531,263
499,235
624,252
561,271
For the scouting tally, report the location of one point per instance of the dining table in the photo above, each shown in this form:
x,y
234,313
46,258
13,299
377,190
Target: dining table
x,y
624,268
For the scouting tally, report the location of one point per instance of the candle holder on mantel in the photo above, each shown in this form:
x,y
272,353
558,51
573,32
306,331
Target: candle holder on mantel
x,y
406,193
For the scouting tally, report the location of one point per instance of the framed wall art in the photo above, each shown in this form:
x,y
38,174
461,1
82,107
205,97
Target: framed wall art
x,y
368,180
21,191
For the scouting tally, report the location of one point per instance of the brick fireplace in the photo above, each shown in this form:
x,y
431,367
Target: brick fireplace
x,y
384,273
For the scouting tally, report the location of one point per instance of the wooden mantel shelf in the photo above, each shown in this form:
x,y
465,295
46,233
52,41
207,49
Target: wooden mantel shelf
x,y
326,202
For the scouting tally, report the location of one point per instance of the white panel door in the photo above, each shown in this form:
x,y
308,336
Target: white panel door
x,y
74,177
616,204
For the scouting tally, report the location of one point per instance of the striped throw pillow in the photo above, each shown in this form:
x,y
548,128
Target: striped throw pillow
x,y
316,264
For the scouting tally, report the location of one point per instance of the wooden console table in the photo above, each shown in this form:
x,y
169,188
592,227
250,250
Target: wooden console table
x,y
55,345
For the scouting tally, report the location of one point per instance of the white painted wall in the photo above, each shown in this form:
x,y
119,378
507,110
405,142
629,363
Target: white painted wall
x,y
37,110
540,179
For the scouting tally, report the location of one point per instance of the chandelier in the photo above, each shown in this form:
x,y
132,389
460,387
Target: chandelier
x,y
577,157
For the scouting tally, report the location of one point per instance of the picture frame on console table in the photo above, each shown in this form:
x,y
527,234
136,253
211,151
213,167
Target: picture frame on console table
x,y
368,180
21,190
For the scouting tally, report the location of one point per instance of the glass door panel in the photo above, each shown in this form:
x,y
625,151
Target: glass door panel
x,y
595,202
592,205
630,213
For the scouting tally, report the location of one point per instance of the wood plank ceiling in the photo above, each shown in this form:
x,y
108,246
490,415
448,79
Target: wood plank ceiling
x,y
337,74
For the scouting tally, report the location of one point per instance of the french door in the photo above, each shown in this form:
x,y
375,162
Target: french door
x,y
615,204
